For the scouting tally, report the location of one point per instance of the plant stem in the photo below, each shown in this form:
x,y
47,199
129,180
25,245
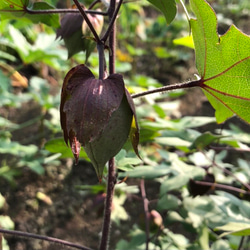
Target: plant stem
x,y
223,187
108,205
146,212
112,21
100,48
185,85
41,237
56,11
240,150
86,19
246,185
112,37
241,243
94,3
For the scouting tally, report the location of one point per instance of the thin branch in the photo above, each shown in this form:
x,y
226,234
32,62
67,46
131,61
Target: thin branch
x,y
228,172
100,48
108,205
187,15
92,5
56,11
86,19
112,21
146,212
112,37
184,85
240,247
41,237
222,186
240,150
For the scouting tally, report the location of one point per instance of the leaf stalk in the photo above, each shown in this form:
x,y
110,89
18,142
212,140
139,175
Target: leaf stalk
x,y
171,87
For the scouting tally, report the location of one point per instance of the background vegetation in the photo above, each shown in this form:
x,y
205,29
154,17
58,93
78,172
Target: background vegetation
x,y
193,184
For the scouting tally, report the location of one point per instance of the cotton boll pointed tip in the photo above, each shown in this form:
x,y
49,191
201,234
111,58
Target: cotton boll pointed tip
x,y
76,159
100,179
75,148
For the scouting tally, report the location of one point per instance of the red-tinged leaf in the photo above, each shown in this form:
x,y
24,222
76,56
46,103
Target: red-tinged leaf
x,y
89,102
71,32
96,114
112,139
223,63
70,23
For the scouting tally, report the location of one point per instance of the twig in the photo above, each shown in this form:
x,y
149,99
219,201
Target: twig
x,y
228,172
241,243
100,48
108,205
55,11
241,150
112,37
45,238
146,212
113,17
94,3
222,186
184,85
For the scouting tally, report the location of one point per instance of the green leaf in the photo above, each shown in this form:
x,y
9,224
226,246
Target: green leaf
x,y
173,183
6,222
16,7
168,8
221,245
223,63
5,123
204,237
235,228
49,19
168,201
119,213
147,172
172,141
204,140
184,41
23,9
2,200
15,148
125,163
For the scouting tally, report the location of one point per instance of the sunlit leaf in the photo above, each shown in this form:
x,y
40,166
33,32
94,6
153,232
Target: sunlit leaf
x,y
185,41
223,63
11,9
146,172
235,228
204,140
168,201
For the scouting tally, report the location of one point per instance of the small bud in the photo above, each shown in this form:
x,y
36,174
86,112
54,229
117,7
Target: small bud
x,y
96,21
